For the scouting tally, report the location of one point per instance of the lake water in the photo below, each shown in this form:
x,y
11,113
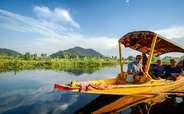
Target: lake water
x,y
31,91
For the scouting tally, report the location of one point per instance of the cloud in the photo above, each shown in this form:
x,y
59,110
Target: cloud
x,y
55,30
104,45
57,15
127,1
40,100
175,33
172,32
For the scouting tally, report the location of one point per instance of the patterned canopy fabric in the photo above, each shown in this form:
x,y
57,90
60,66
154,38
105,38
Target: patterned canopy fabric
x,y
141,41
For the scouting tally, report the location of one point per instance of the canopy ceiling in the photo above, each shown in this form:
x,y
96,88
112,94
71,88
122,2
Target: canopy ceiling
x,y
141,41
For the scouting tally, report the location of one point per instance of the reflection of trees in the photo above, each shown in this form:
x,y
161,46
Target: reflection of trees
x,y
81,70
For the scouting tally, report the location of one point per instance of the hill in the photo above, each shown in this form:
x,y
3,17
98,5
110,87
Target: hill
x,y
76,52
9,52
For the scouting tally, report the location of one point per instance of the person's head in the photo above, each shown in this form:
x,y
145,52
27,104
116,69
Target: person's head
x,y
173,62
159,62
138,59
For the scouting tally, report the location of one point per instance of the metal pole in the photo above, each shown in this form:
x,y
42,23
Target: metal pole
x,y
120,57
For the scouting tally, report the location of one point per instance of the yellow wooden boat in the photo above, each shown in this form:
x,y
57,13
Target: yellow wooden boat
x,y
146,42
150,87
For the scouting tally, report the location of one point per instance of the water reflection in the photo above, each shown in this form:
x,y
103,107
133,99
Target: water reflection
x,y
78,71
73,70
170,106
43,100
31,92
150,104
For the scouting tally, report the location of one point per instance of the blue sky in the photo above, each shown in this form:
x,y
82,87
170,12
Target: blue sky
x,y
46,26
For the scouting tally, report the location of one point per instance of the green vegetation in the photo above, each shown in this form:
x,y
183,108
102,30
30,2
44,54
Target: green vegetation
x,y
76,60
8,52
71,65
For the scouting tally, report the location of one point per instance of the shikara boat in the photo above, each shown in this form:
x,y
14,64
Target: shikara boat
x,y
146,42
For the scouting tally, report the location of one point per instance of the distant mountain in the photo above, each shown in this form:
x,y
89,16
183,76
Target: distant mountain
x,y
76,52
9,52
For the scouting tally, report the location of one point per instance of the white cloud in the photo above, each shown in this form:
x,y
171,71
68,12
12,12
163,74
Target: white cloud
x,y
104,45
53,32
48,100
175,33
57,30
127,1
172,32
42,11
57,15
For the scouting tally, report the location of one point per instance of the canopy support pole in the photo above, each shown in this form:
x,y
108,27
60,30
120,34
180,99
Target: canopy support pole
x,y
151,54
120,57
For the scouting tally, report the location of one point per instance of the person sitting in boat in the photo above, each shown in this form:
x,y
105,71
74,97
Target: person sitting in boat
x,y
173,72
144,61
134,68
181,65
157,69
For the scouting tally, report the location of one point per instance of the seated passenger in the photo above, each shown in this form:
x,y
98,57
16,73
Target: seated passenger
x,y
134,68
157,70
181,64
144,61
172,72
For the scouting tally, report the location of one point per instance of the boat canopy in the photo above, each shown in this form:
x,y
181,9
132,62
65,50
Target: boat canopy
x,y
142,40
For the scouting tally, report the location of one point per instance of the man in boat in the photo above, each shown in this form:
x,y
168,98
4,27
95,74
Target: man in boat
x,y
157,70
181,65
134,68
172,72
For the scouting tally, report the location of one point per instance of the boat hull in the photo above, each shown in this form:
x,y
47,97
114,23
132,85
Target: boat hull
x,y
150,87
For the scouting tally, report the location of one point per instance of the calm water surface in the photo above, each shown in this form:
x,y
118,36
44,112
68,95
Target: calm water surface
x,y
31,91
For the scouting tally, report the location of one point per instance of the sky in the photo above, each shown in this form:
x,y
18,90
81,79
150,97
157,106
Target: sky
x,y
47,26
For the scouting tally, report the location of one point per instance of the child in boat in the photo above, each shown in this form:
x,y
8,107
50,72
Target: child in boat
x,y
173,72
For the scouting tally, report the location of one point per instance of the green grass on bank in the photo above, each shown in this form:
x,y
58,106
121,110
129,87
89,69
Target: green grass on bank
x,y
55,64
